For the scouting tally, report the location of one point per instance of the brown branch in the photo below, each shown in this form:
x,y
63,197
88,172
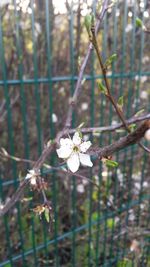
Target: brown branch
x,y
109,95
130,139
112,127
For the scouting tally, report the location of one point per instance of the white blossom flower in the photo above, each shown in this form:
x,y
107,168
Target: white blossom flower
x,y
32,175
73,151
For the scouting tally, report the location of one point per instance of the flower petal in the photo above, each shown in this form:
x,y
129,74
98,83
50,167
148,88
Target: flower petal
x,y
73,162
85,146
66,142
64,152
85,160
28,176
76,139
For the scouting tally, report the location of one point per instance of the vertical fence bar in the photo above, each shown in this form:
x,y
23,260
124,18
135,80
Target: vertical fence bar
x,y
113,88
105,55
73,190
48,6
10,137
123,62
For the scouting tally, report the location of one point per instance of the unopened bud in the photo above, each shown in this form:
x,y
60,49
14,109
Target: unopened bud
x,y
147,135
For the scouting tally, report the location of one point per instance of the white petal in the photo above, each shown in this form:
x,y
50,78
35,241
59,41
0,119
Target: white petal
x,y
85,146
66,142
73,162
76,139
64,152
28,176
85,160
33,181
32,172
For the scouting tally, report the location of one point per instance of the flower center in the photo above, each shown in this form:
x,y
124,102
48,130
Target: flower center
x,y
75,149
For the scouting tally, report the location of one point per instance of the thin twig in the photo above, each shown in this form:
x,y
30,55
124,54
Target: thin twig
x,y
109,95
82,69
111,128
130,139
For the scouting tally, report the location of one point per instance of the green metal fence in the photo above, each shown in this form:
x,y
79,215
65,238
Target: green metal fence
x,y
88,230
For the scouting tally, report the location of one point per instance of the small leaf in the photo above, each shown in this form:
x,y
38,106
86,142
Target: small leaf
x,y
110,223
139,113
132,127
80,125
120,102
46,213
111,163
95,216
139,22
110,60
102,88
88,23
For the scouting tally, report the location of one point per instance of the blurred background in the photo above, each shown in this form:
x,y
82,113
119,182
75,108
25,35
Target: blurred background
x,y
42,46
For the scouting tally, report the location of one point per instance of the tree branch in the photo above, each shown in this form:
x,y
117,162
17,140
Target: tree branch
x,y
123,142
82,69
128,140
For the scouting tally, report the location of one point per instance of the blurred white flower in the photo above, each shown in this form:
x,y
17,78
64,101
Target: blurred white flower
x,y
131,215
80,188
134,246
37,26
73,151
137,77
4,2
54,118
145,184
32,175
113,123
144,79
137,186
84,106
142,206
145,59
128,28
143,95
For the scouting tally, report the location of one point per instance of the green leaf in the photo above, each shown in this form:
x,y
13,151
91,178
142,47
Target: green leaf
x,y
139,112
110,60
111,163
95,216
132,127
139,22
46,213
110,223
120,102
125,263
88,23
102,88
